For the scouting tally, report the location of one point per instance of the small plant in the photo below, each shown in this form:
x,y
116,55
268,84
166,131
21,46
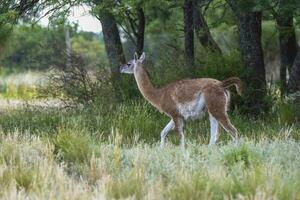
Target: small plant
x,y
73,147
129,187
242,155
6,179
196,186
24,178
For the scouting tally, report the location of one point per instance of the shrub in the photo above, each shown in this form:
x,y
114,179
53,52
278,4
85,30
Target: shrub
x,y
77,86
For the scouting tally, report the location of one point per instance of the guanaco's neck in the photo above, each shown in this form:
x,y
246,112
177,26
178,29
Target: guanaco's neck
x,y
147,89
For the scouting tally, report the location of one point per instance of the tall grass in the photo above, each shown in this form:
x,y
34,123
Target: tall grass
x,y
135,122
33,167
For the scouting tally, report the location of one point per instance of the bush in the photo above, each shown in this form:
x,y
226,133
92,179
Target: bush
x,y
76,86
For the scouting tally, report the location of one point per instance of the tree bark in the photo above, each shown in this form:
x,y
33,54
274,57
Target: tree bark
x,y
251,48
113,47
287,42
250,42
202,31
68,48
140,31
294,80
188,33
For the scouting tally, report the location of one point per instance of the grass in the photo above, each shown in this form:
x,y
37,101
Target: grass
x,y
33,167
101,152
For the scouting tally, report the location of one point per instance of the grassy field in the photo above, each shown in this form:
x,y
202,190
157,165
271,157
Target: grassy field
x,y
113,152
95,154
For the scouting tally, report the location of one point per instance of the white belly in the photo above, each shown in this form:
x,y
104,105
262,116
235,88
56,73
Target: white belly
x,y
193,109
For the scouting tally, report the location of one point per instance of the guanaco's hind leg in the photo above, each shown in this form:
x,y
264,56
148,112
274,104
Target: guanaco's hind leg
x,y
226,124
216,102
179,125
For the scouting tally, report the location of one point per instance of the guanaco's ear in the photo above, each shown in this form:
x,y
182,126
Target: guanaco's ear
x,y
142,58
135,56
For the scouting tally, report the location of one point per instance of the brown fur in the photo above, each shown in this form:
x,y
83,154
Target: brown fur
x,y
167,98
233,81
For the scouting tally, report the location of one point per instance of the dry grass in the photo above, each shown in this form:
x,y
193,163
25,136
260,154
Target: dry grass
x,y
38,168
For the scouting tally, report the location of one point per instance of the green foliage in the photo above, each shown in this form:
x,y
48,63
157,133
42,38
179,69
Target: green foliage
x,y
39,48
218,67
91,49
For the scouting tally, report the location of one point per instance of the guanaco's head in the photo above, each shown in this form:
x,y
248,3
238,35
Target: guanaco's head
x,y
132,64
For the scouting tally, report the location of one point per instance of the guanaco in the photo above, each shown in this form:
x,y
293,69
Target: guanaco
x,y
185,99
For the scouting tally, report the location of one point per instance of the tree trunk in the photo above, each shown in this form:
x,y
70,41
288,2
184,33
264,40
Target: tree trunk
x,y
250,42
188,33
202,31
113,47
294,80
287,42
249,24
140,32
251,48
68,48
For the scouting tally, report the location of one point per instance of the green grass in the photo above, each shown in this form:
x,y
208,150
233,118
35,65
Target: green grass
x,y
135,122
114,153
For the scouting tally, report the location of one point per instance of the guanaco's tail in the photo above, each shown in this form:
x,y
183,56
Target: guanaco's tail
x,y
233,81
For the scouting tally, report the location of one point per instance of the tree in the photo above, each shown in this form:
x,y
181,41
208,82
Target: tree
x,y
133,23
202,30
10,12
102,10
249,25
294,80
113,46
140,33
188,33
287,38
